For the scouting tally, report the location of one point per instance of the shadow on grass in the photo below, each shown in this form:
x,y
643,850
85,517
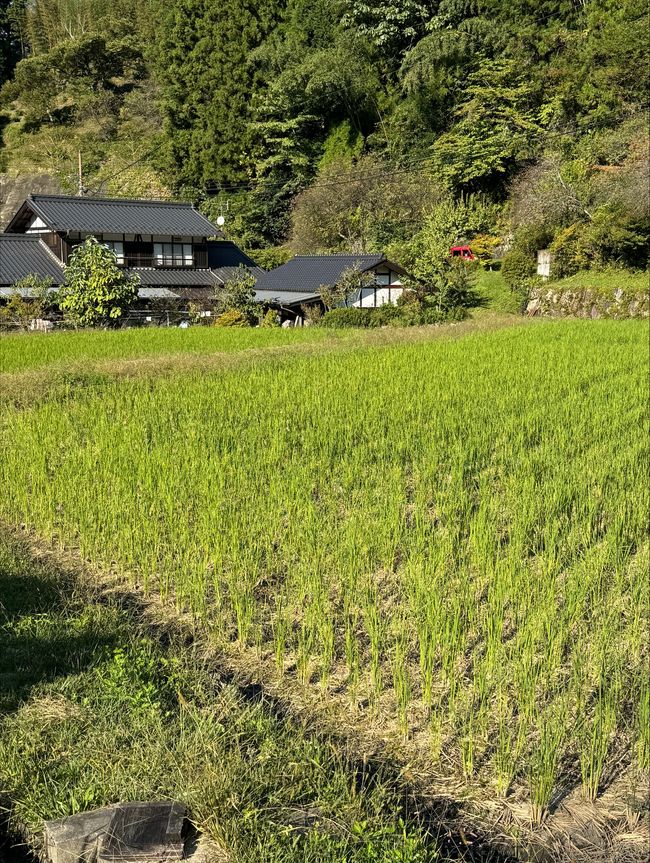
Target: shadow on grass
x,y
44,632
51,631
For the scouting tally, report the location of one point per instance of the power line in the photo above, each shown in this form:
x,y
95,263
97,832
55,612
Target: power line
x,y
93,192
413,166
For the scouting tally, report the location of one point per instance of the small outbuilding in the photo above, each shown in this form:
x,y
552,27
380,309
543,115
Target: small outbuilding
x,y
298,282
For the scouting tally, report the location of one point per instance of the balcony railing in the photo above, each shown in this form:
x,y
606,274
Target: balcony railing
x,y
198,261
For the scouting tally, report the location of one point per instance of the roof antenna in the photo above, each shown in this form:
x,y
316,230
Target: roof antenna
x,y
80,183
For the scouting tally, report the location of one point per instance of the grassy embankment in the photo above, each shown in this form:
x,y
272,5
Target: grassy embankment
x,y
438,540
606,280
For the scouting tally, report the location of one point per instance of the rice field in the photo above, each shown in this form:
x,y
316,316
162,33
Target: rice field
x,y
448,535
24,351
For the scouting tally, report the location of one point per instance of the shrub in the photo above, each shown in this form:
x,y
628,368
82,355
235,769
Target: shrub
x,y
17,312
232,318
347,317
409,314
96,290
238,294
269,259
270,319
457,285
484,245
517,268
312,313
529,238
570,250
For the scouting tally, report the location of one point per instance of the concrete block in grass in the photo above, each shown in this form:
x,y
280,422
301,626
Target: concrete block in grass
x,y
139,832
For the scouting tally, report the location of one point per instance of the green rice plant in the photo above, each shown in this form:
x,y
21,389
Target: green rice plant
x,y
376,629
352,647
545,759
31,351
327,641
304,651
401,676
468,746
509,745
643,727
461,520
597,730
280,631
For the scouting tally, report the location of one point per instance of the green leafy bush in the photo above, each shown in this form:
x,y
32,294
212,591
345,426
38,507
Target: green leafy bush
x,y
232,318
270,319
269,259
517,268
407,314
570,250
96,291
347,317
238,294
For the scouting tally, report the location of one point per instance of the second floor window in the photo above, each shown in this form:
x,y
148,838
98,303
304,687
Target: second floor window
x,y
173,254
116,246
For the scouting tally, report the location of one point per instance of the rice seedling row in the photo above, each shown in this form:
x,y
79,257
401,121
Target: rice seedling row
x,y
453,533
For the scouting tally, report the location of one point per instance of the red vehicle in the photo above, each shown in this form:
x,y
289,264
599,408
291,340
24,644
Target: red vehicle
x,y
463,252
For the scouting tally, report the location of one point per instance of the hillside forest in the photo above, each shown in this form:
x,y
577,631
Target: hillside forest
x,y
342,125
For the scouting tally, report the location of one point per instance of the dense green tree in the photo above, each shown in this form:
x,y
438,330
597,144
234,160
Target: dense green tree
x,y
496,128
11,47
391,25
264,103
203,61
84,77
96,291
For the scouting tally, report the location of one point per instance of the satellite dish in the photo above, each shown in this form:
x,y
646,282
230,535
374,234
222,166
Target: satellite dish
x,y
221,221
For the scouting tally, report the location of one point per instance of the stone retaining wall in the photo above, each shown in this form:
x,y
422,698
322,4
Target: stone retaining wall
x,y
587,303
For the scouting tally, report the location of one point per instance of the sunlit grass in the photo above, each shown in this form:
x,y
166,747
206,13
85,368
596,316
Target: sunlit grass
x,y
453,529
34,350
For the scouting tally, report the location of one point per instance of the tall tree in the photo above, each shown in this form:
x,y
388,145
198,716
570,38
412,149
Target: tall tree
x,y
204,63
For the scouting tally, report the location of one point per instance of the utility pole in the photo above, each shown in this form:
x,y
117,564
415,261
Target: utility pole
x,y
80,185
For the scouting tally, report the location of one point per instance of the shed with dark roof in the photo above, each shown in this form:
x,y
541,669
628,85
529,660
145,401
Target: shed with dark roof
x,y
299,281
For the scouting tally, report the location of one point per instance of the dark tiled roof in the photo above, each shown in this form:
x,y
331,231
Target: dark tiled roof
x,y
284,298
306,273
119,216
224,253
188,277
224,274
23,255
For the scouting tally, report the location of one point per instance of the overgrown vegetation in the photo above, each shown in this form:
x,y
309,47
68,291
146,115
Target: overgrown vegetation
x,y
440,535
31,298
